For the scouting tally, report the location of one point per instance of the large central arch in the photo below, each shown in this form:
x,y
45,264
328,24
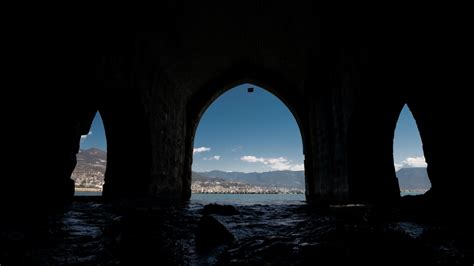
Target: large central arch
x,y
204,97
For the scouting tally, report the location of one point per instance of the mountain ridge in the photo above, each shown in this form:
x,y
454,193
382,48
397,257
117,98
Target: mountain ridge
x,y
91,165
413,179
287,179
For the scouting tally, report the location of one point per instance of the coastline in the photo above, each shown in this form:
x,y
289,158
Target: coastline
x,y
82,189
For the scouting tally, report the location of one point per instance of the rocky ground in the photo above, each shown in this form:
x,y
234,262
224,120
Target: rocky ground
x,y
91,233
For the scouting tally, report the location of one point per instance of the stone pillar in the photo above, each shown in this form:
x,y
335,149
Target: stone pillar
x,y
127,130
331,94
167,118
372,130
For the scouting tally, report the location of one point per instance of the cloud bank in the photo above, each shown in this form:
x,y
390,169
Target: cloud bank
x,y
212,158
201,149
411,162
279,163
84,137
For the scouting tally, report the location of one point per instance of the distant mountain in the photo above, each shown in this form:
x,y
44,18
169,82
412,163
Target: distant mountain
x,y
286,179
91,164
413,179
92,156
410,179
219,182
90,169
203,178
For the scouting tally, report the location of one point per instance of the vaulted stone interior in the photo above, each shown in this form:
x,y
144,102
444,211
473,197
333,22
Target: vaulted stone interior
x,y
345,77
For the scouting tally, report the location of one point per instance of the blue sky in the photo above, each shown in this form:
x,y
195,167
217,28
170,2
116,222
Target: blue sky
x,y
407,145
255,132
96,136
250,132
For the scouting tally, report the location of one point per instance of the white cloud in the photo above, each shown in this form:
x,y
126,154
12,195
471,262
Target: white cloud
x,y
297,167
213,158
415,161
411,162
398,166
251,159
201,149
279,163
83,137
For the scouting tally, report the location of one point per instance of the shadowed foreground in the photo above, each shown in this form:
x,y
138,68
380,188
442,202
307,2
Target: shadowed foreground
x,y
93,233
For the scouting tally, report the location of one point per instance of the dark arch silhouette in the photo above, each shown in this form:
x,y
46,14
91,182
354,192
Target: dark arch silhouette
x,y
236,76
250,88
413,180
94,150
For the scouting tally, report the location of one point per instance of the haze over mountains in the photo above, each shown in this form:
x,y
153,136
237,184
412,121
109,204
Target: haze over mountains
x,y
413,179
91,164
287,179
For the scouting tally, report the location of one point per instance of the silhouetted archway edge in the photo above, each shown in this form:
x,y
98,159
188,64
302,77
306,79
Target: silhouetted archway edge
x,y
372,133
205,96
85,122
416,190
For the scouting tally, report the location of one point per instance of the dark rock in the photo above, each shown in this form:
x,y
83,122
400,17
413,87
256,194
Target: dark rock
x,y
323,253
219,209
94,234
211,233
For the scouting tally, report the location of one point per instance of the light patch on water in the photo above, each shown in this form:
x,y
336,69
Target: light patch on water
x,y
249,199
411,229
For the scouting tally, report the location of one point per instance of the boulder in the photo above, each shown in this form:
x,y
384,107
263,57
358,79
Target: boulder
x,y
211,234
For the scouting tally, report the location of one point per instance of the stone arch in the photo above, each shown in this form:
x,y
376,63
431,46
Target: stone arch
x,y
371,134
86,127
443,143
419,176
433,136
128,153
126,133
204,97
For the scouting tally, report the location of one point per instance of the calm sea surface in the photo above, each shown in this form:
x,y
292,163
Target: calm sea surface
x,y
249,198
87,193
242,199
234,198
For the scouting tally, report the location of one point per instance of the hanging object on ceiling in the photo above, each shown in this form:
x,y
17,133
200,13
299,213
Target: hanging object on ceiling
x,y
250,90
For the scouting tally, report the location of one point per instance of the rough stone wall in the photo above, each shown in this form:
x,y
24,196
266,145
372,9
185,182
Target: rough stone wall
x,y
330,111
338,73
154,86
126,128
167,119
